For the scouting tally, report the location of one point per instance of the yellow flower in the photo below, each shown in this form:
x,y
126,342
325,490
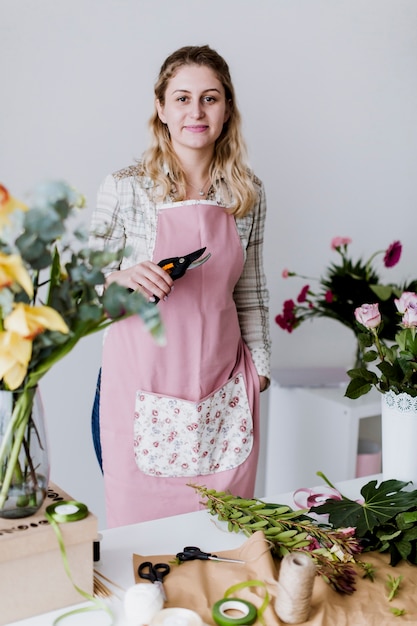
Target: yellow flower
x,y
29,321
12,270
15,355
8,204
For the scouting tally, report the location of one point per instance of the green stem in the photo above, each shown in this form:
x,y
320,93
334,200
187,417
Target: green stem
x,y
15,433
368,265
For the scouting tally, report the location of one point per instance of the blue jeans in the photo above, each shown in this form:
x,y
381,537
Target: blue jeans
x,y
95,422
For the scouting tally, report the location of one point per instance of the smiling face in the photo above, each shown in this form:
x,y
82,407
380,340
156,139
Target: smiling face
x,y
194,109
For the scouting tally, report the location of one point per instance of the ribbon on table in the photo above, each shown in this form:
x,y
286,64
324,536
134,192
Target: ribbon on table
x,y
72,511
314,497
249,612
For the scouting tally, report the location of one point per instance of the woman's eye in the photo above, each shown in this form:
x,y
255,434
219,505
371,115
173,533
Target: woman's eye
x,y
182,99
209,99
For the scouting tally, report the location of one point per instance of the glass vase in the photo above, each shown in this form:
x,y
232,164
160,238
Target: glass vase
x,y
24,461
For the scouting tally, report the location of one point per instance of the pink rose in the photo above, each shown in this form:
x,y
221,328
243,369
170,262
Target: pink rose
x,y
368,315
410,316
338,242
407,298
285,273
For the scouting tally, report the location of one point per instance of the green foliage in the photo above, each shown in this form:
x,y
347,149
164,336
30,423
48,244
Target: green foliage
x,y
396,369
288,530
67,275
386,520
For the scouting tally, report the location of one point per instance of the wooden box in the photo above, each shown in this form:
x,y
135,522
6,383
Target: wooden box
x,y
32,575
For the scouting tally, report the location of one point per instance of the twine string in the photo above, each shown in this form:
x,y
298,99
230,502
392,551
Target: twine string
x,y
295,587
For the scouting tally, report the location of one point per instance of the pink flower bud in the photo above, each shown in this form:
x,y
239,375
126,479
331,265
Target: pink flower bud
x,y
368,315
338,242
410,316
407,297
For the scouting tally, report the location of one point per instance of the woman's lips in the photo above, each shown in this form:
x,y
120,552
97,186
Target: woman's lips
x,y
196,129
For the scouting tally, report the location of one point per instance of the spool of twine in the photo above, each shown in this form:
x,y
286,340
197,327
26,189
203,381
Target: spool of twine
x,y
295,588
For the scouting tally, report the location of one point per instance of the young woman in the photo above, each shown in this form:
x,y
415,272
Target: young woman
x,y
188,412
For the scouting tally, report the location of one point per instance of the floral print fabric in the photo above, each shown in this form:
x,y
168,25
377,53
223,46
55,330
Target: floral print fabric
x,y
175,437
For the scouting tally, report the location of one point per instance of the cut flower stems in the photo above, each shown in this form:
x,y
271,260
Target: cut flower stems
x,y
51,295
384,520
334,550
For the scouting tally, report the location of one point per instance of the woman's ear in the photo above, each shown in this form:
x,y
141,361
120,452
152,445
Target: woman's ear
x,y
160,110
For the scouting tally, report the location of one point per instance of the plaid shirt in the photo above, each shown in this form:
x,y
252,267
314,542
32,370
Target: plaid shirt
x,y
126,216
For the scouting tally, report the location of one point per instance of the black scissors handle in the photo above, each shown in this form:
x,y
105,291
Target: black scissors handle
x,y
192,553
154,573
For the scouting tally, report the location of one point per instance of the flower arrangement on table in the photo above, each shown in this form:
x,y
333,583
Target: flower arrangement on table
x,y
345,286
50,298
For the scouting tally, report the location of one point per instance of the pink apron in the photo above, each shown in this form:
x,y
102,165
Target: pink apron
x,y
187,412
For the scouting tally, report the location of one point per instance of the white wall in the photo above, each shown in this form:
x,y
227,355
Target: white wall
x,y
328,93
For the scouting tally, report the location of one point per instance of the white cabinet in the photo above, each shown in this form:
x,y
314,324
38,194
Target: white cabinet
x,y
312,427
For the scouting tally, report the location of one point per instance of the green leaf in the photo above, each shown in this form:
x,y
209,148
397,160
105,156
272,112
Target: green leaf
x,y
406,520
404,548
380,505
383,292
357,387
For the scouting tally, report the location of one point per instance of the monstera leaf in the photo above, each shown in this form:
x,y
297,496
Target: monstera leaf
x,y
380,505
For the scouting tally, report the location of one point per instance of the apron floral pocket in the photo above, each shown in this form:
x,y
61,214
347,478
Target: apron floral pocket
x,y
175,437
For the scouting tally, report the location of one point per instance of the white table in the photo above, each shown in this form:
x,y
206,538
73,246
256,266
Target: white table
x,y
163,536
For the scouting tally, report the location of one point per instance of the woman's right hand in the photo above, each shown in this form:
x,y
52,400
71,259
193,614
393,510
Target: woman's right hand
x,y
146,277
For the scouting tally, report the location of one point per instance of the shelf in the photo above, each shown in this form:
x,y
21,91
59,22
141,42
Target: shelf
x,y
313,427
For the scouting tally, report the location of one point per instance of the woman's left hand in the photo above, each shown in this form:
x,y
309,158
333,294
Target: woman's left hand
x,y
263,383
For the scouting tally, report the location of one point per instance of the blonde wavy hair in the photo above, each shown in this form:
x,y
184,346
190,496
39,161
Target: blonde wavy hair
x,y
229,163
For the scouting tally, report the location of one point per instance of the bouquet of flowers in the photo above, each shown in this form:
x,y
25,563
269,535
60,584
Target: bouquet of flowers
x,y
345,286
397,362
51,295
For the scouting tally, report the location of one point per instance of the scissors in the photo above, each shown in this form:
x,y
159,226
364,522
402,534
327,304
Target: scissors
x,y
192,553
155,573
177,266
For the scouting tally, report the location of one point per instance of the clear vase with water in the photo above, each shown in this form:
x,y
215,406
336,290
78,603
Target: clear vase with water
x,y
24,460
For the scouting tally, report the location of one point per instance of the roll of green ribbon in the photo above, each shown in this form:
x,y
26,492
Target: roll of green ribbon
x,y
247,609
67,511
60,513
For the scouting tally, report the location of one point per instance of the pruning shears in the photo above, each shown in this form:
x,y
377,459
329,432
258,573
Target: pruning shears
x,y
177,266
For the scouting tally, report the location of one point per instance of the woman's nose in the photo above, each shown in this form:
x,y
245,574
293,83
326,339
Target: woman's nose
x,y
197,110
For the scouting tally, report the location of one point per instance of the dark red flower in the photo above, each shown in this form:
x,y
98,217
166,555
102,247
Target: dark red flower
x,y
328,296
302,296
393,254
287,320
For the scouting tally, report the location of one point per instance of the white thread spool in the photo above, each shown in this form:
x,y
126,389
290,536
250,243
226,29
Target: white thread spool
x,y
295,587
141,603
176,617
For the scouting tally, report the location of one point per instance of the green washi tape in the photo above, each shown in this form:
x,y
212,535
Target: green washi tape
x,y
67,511
248,612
